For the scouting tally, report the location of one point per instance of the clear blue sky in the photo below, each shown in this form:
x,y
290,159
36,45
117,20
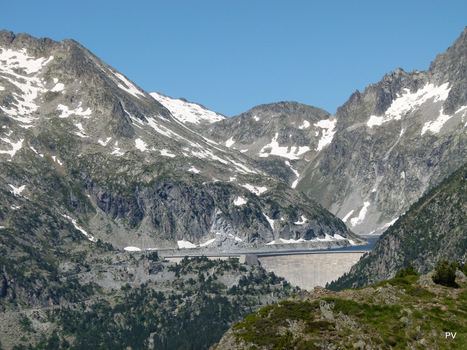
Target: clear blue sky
x,y
233,55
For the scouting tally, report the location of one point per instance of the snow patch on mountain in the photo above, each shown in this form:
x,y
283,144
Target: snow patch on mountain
x,y
128,86
294,184
229,142
327,238
141,145
240,201
81,132
20,60
302,221
327,132
39,154
306,124
79,111
408,101
167,153
104,143
116,150
22,109
238,239
55,159
159,128
361,215
187,112
208,242
242,168
185,244
255,189
271,221
435,126
16,146
348,215
15,66
80,229
194,170
17,190
274,149
58,87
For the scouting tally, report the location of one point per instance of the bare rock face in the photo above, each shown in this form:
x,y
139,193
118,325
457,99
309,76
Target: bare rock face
x,y
433,229
394,141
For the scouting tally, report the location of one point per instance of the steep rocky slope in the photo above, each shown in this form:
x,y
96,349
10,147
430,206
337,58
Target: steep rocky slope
x,y
80,139
282,136
393,142
403,313
433,229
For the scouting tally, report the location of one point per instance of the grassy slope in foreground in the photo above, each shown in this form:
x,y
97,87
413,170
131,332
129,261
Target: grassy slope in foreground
x,y
401,313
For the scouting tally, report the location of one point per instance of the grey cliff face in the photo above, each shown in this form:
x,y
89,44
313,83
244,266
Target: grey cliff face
x,y
433,229
394,141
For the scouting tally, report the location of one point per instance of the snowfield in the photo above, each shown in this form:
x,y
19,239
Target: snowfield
x,y
187,112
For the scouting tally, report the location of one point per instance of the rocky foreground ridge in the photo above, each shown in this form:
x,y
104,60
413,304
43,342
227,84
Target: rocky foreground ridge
x,y
402,313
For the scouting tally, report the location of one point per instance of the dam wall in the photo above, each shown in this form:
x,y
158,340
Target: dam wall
x,y
310,270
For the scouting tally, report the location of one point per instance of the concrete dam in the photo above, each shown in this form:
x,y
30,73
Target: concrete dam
x,y
310,270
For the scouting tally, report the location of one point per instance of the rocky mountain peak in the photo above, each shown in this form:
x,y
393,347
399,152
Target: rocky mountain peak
x,y
6,37
451,66
289,109
406,121
447,65
11,40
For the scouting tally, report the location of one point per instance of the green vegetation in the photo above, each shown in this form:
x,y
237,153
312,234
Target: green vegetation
x,y
190,311
407,271
445,274
401,313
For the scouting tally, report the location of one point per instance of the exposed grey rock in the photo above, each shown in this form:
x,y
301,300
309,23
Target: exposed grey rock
x,y
326,310
390,149
432,230
461,278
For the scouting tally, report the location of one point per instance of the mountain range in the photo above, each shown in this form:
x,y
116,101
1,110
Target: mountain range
x,y
113,161
378,154
121,147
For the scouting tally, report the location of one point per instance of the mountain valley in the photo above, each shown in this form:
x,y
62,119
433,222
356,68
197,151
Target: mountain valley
x,y
100,180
